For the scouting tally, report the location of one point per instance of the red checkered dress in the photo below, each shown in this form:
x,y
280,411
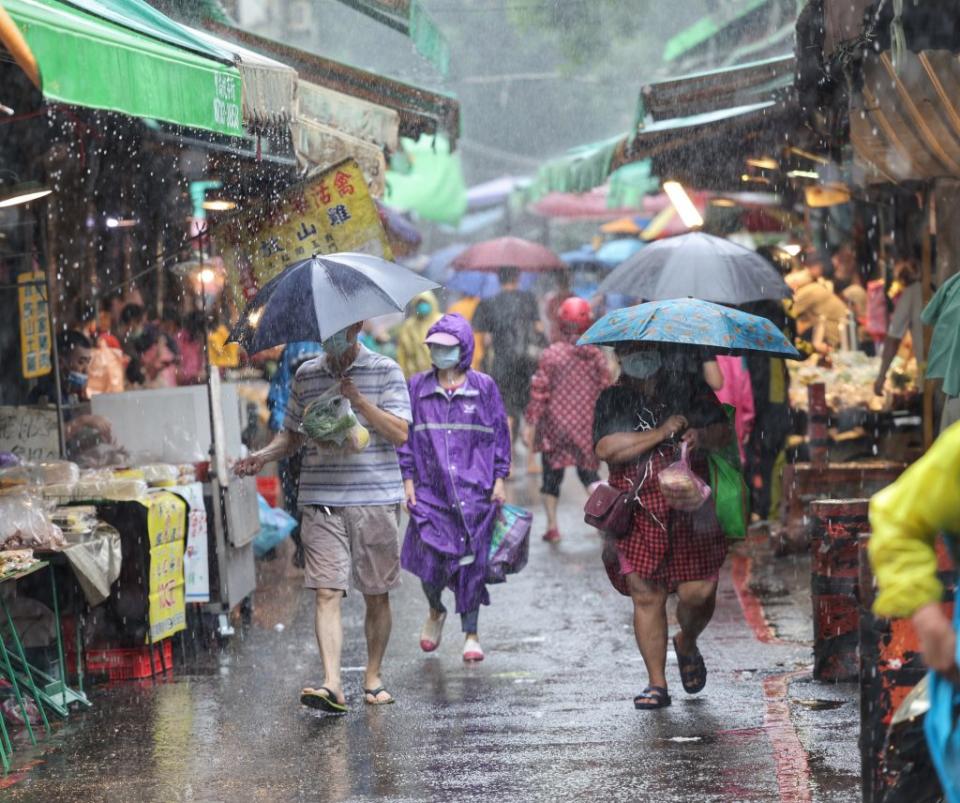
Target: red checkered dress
x,y
665,546
563,393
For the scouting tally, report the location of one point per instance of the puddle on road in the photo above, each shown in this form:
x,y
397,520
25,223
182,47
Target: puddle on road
x,y
820,705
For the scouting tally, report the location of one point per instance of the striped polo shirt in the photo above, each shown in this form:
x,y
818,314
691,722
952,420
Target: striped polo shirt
x,y
369,477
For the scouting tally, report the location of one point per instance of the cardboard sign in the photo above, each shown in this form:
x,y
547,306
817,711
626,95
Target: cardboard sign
x,y
328,213
34,325
31,433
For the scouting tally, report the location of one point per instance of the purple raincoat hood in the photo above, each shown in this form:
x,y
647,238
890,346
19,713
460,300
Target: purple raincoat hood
x,y
453,323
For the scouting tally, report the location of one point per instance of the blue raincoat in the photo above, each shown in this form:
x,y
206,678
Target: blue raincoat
x,y
458,446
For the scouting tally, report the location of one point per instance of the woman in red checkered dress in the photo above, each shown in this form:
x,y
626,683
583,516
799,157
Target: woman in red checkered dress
x,y
661,395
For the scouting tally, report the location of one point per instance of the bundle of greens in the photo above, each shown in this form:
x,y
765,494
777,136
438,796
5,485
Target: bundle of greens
x,y
330,419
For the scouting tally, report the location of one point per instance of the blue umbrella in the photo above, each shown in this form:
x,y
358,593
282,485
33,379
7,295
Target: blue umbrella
x,y
317,297
582,257
614,252
473,283
690,322
438,268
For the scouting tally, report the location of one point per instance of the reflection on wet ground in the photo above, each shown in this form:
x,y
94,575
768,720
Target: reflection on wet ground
x,y
548,716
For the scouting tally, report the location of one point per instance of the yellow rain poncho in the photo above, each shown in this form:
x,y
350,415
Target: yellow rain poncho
x,y
906,518
412,354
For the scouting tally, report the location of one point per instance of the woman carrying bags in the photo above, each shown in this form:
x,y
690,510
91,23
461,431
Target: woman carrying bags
x,y
453,465
665,550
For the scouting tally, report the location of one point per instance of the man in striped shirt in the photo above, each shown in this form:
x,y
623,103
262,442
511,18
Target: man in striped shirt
x,y
350,501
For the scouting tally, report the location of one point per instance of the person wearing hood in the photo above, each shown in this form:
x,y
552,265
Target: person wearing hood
x,y
412,352
559,417
453,467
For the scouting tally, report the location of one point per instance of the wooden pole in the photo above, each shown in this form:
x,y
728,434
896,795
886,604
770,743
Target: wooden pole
x,y
926,273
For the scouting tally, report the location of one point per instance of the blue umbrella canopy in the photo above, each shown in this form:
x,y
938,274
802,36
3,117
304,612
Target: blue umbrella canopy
x,y
690,322
614,252
317,297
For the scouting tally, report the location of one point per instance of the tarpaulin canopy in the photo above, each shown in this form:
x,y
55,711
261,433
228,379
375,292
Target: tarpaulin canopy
x,y
409,18
144,65
591,205
269,86
421,111
700,128
319,146
358,118
904,123
709,26
430,182
578,170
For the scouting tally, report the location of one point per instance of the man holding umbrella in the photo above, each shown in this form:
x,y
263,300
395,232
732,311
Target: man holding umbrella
x,y
350,496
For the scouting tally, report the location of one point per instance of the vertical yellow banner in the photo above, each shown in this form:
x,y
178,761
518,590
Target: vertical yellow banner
x,y
166,528
35,343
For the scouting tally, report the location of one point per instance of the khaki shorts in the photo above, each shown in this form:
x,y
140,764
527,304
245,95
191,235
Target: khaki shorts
x,y
362,541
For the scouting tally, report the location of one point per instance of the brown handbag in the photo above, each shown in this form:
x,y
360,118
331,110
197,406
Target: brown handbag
x,y
611,510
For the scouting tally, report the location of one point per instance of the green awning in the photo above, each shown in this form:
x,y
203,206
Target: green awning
x,y
86,60
707,27
411,19
580,169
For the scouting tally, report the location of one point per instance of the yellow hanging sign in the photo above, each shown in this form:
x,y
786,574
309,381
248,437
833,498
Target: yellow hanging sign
x,y
166,528
328,213
34,325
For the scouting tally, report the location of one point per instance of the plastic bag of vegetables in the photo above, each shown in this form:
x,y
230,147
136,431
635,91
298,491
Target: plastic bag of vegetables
x,y
681,487
330,419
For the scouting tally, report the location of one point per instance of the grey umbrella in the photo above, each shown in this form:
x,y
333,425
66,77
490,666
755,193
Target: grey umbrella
x,y
700,266
313,299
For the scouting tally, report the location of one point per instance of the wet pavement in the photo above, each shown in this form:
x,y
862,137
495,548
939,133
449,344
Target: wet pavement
x,y
547,716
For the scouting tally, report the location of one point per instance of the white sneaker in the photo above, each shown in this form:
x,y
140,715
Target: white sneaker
x,y
472,651
432,632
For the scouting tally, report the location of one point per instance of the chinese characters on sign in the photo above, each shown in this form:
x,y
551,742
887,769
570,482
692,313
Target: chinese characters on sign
x,y
166,527
329,213
34,325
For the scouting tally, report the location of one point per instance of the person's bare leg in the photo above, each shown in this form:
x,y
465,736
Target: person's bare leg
x,y
550,508
330,637
377,627
650,627
697,602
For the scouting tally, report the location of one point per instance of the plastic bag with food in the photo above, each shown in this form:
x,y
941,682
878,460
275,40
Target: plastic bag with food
x,y
24,524
681,487
330,418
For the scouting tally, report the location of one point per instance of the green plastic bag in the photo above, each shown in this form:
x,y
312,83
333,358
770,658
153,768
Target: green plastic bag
x,y
729,488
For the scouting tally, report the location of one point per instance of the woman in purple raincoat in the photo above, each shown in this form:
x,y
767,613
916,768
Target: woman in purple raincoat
x,y
453,465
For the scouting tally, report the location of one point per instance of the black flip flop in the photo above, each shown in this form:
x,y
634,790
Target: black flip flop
x,y
322,702
693,671
373,693
658,695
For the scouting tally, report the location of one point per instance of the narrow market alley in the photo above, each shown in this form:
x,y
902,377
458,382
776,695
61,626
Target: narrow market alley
x,y
546,717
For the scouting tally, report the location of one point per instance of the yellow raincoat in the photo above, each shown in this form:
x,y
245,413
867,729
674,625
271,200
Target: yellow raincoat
x,y
906,518
412,354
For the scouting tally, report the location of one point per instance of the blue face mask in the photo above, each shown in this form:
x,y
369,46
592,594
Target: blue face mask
x,y
77,380
337,344
444,356
423,308
641,364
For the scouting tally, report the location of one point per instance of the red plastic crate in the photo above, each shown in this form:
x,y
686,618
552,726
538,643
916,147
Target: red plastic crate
x,y
269,489
129,663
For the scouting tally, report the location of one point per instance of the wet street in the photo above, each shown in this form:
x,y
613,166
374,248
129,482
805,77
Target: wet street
x,y
547,716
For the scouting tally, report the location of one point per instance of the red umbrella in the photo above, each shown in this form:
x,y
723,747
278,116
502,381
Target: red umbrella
x,y
508,252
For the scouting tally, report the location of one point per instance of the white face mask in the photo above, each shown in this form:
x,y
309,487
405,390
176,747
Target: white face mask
x,y
444,356
641,364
